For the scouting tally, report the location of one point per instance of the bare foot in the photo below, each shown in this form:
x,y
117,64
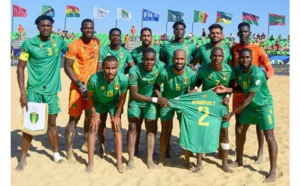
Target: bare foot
x,y
188,165
70,157
151,165
120,167
226,168
235,164
196,170
259,159
21,165
130,165
270,178
84,147
89,168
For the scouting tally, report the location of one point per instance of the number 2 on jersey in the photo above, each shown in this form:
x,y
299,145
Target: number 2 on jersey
x,y
206,113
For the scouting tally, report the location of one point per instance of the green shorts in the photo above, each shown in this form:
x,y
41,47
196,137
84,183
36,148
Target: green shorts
x,y
103,108
167,113
265,120
52,101
148,111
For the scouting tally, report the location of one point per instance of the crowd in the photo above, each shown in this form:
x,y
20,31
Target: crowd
x,y
160,81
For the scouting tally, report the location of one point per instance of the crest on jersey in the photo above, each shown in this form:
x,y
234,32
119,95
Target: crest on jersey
x,y
185,80
240,77
257,82
53,43
171,80
204,95
271,111
186,46
41,46
92,55
116,86
103,88
156,73
209,77
132,76
224,76
121,55
110,93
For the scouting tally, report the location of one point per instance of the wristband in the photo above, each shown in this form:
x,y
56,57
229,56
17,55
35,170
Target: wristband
x,y
154,100
196,87
228,96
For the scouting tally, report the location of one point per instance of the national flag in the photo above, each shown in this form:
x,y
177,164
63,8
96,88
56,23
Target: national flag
x,y
123,14
174,16
47,10
150,16
100,13
200,16
275,19
224,17
250,18
72,11
19,11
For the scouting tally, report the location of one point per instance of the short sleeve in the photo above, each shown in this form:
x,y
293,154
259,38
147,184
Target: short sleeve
x,y
133,76
256,82
124,84
91,83
161,77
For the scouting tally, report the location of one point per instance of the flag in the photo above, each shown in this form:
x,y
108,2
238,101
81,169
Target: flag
x,y
250,18
174,16
275,19
19,11
72,11
123,14
224,17
100,13
150,16
47,10
200,16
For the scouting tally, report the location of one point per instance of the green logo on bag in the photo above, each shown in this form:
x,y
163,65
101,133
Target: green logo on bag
x,y
34,117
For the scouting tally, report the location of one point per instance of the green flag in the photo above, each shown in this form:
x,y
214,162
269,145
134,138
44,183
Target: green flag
x,y
47,10
275,19
174,16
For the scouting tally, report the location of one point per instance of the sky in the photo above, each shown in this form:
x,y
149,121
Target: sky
x,y
259,8
236,7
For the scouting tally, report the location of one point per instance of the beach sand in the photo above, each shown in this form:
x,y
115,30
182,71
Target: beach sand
x,y
41,170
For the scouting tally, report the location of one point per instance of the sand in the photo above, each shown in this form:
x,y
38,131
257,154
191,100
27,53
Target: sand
x,y
41,170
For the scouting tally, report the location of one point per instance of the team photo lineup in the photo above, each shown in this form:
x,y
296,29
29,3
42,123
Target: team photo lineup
x,y
198,83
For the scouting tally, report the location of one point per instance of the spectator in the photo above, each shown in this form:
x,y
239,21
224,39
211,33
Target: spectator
x,y
288,38
164,37
156,42
278,47
279,37
191,37
59,32
133,33
127,40
272,38
254,36
21,31
72,36
203,33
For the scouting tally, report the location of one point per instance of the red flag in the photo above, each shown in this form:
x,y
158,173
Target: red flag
x,y
19,11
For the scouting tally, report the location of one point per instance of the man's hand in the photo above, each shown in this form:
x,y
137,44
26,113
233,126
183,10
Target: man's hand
x,y
116,123
227,117
82,89
24,101
162,101
193,91
219,89
191,66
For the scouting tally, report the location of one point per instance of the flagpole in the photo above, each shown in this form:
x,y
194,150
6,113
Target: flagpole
x,y
12,24
65,22
142,19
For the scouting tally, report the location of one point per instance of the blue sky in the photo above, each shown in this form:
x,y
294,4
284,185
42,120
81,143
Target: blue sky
x,y
260,8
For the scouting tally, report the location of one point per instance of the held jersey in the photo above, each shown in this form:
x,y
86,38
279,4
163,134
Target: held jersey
x,y
137,53
211,78
254,81
123,56
104,92
169,47
144,80
43,64
85,58
204,51
176,85
201,120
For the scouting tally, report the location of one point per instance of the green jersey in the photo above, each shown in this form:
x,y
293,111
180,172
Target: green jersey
x,y
200,122
144,80
168,49
211,78
204,51
176,85
254,81
43,64
104,92
137,53
123,56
